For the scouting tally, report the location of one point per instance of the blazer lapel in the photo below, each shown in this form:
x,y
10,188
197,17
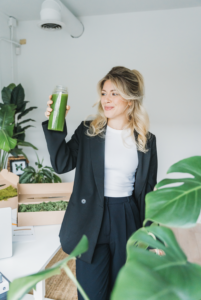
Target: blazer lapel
x,y
97,146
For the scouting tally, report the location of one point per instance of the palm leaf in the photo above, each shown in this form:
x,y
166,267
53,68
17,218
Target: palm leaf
x,y
26,111
28,126
26,144
27,120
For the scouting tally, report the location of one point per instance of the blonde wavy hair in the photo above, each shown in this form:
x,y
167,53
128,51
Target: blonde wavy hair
x,y
130,85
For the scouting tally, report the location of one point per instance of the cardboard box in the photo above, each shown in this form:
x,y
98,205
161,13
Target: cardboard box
x,y
32,193
6,179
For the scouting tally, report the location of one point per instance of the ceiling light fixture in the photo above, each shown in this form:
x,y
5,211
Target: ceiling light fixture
x,y
56,16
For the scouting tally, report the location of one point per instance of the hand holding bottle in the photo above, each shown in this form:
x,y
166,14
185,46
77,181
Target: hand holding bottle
x,y
49,109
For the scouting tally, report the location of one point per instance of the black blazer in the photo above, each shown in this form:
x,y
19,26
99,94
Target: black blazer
x,y
85,209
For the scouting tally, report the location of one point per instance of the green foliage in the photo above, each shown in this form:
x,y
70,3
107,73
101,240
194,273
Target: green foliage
x,y
21,286
44,206
12,134
149,276
41,175
8,192
177,206
7,119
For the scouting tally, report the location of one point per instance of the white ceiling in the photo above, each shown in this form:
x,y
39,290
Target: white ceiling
x,y
29,9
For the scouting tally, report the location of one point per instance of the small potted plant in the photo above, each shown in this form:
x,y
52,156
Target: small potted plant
x,y
41,175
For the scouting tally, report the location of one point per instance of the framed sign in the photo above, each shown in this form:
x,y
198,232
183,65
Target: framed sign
x,y
17,166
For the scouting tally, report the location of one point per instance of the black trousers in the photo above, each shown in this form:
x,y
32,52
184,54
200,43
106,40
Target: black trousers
x,y
120,220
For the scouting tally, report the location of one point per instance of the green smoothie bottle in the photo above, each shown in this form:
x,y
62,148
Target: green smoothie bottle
x,y
57,115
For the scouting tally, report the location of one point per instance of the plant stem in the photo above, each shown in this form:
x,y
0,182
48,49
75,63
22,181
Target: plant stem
x,y
72,277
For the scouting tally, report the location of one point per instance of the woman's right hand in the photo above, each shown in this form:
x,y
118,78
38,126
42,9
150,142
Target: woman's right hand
x,y
49,109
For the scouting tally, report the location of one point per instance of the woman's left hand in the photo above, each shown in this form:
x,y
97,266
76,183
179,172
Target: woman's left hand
x,y
158,251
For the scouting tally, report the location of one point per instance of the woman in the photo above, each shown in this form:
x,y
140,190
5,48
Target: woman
x,y
115,158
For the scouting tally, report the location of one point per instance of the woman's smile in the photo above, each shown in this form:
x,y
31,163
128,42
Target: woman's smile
x,y
108,107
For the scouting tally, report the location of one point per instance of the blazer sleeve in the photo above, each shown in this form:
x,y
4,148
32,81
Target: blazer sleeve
x,y
152,174
63,155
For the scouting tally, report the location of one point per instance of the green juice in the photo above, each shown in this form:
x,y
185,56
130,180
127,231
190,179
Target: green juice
x,y
57,115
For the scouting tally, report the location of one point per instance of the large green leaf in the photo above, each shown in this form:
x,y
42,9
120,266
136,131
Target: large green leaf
x,y
21,286
17,97
11,86
6,95
7,118
147,276
177,206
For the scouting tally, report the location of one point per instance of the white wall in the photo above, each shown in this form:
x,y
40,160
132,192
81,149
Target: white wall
x,y
164,46
6,50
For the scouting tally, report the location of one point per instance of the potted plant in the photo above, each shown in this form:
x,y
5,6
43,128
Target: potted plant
x,y
13,108
41,175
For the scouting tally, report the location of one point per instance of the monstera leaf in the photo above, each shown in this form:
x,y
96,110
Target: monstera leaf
x,y
147,276
7,113
177,206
